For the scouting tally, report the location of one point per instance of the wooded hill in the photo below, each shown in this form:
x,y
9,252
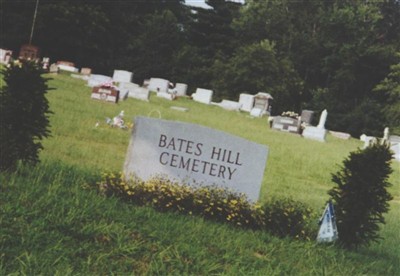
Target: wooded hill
x,y
342,55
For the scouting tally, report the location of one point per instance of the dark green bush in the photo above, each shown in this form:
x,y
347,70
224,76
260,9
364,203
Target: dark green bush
x,y
360,197
286,217
23,114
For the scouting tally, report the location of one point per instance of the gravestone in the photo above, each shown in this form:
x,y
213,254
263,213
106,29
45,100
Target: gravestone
x,y
167,96
122,76
191,154
86,71
181,89
203,95
256,112
229,105
307,116
29,52
247,102
396,151
67,66
286,124
158,85
5,56
53,68
179,108
125,88
98,80
317,133
140,93
105,93
394,139
340,135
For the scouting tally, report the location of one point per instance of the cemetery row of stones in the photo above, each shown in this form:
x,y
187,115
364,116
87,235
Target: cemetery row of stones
x,y
257,105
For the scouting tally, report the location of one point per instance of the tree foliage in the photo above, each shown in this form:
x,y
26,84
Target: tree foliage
x,y
24,114
361,197
324,54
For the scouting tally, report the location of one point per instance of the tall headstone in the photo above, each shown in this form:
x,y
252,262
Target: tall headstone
x,y
317,133
322,119
247,102
307,116
192,154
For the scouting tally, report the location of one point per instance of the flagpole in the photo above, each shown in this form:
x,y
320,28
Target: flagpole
x,y
34,20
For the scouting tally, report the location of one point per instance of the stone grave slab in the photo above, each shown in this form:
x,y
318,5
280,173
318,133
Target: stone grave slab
x,y
191,154
340,135
165,95
181,89
178,108
86,71
158,85
229,105
125,88
107,94
140,93
307,116
286,124
314,133
98,80
203,95
247,102
122,76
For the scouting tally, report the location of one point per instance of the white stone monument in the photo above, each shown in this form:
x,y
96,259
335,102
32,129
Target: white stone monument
x,y
125,88
158,85
317,133
203,95
229,105
96,80
140,93
122,76
194,154
181,89
247,102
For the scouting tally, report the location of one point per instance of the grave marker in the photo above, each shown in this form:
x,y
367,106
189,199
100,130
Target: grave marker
x,y
202,95
190,153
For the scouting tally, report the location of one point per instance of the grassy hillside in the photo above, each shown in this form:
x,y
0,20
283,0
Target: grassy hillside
x,y
52,223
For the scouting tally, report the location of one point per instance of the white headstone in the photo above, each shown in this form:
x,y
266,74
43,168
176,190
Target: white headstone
x,y
96,80
190,154
165,95
386,134
229,105
322,119
139,93
67,68
256,112
122,76
247,102
181,89
158,85
202,95
396,150
125,88
314,133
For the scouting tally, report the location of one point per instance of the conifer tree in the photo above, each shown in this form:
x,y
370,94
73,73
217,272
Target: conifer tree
x,y
361,197
24,114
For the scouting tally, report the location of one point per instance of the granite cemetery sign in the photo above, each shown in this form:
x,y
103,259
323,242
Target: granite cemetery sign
x,y
191,153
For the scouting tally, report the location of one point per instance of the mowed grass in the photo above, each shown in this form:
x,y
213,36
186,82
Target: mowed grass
x,y
52,222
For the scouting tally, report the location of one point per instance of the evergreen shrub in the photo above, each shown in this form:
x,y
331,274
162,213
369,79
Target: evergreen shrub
x,y
361,197
24,114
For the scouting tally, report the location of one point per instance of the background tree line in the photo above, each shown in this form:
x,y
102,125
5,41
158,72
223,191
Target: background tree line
x,y
342,55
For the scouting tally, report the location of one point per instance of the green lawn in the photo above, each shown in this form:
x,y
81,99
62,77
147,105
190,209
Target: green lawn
x,y
53,223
